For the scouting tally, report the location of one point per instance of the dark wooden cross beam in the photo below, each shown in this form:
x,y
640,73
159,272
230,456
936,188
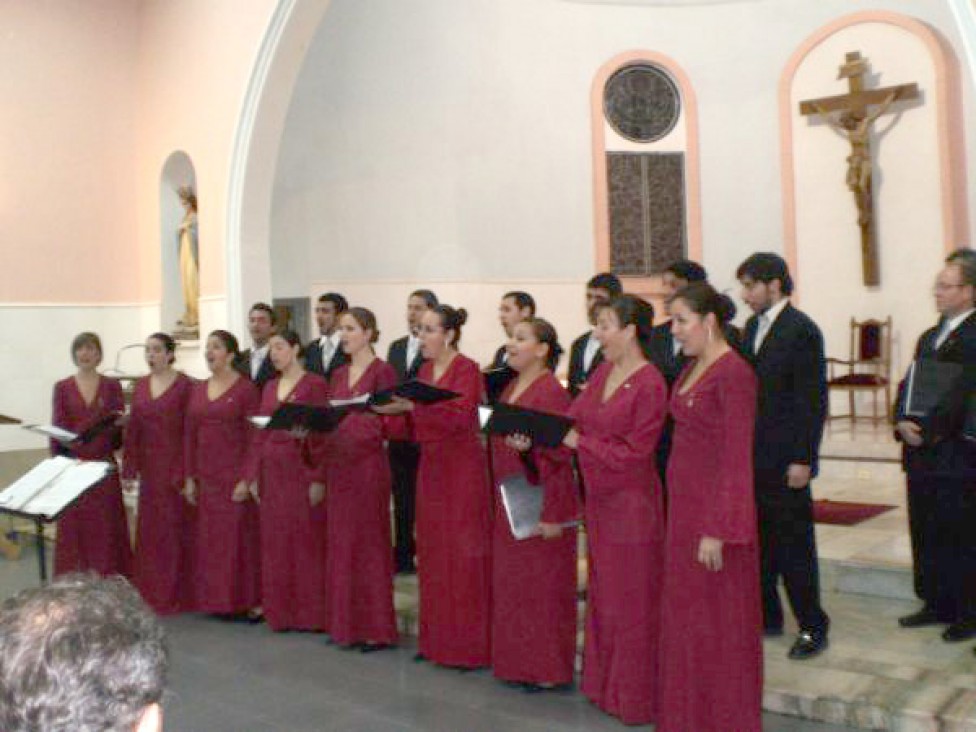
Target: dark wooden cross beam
x,y
851,115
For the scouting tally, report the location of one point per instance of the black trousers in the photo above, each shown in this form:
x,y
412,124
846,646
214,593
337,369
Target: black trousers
x,y
921,492
942,513
788,550
404,459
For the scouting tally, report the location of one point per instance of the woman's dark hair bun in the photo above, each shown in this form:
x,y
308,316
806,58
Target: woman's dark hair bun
x,y
724,308
462,316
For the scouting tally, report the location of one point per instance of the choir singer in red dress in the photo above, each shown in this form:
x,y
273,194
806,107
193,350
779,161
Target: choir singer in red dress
x,y
93,535
218,435
533,630
453,502
288,475
360,567
618,424
711,648
154,454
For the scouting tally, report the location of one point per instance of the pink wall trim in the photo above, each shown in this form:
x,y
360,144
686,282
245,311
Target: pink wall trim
x,y
601,215
952,161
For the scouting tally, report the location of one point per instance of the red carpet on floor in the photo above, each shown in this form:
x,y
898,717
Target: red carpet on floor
x,y
843,513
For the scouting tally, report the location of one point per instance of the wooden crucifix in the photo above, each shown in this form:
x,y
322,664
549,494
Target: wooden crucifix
x,y
855,112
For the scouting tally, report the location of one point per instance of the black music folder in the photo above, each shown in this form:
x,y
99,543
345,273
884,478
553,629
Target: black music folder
x,y
303,416
929,382
496,380
545,429
416,391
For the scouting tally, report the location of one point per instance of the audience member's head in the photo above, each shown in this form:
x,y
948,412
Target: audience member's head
x,y
81,654
600,290
765,280
515,307
261,320
419,302
327,311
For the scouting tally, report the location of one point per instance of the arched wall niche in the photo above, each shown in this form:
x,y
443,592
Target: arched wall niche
x,y
178,171
683,138
919,198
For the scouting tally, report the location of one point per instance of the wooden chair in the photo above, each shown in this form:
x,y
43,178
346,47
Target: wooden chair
x,y
868,370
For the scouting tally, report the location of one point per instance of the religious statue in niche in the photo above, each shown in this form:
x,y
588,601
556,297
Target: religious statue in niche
x,y
188,326
853,118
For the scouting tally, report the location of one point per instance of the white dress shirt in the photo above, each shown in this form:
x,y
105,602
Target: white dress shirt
x,y
950,325
589,353
413,348
766,321
328,345
257,358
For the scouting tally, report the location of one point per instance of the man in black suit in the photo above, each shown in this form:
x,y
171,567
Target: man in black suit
x,y
405,356
585,354
255,362
940,464
324,355
787,351
515,307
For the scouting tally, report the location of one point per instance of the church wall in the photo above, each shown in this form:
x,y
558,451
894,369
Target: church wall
x,y
447,144
67,141
97,95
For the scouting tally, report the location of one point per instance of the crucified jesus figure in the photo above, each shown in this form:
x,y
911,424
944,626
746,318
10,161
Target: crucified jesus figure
x,y
856,129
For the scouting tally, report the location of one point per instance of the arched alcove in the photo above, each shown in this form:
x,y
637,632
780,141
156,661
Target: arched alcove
x,y
678,145
919,206
177,172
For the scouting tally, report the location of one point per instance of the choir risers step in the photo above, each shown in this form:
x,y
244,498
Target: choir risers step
x,y
866,578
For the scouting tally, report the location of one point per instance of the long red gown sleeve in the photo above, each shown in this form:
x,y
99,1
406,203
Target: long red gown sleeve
x,y
560,498
266,407
191,424
731,515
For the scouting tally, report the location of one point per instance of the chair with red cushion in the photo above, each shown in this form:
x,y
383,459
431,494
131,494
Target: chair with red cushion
x,y
868,370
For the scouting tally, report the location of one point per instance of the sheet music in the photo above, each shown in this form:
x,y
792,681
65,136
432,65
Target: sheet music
x,y
260,422
49,430
22,490
67,487
484,414
354,401
51,485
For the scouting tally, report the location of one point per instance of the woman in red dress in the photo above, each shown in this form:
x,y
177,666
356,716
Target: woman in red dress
x,y
711,647
360,566
453,502
292,497
218,434
533,631
93,535
154,455
618,424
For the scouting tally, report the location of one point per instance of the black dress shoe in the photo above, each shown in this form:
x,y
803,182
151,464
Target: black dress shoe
x,y
925,616
808,644
960,631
